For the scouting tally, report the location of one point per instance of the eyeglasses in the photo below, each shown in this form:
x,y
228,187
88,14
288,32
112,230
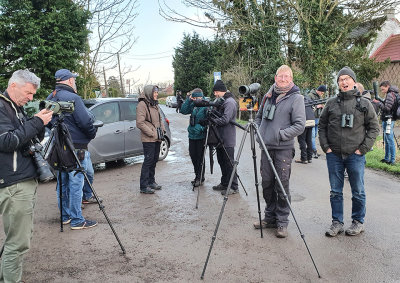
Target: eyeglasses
x,y
345,79
285,77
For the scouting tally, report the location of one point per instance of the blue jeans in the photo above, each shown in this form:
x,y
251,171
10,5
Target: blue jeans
x,y
87,191
354,165
390,147
314,134
72,191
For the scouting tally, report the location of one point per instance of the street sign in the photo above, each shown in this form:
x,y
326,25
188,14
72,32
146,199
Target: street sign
x,y
217,76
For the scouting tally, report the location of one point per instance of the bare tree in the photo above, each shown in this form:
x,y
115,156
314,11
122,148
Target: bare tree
x,y
112,32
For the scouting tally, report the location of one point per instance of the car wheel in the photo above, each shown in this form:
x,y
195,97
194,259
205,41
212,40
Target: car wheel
x,y
164,149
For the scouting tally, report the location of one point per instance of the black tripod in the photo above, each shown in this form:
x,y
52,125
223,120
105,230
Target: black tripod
x,y
252,128
218,143
59,126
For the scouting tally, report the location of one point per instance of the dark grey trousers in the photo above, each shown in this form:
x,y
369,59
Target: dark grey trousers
x,y
276,210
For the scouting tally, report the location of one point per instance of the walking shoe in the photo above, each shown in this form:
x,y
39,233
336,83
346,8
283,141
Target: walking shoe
x,y
355,228
91,200
281,232
196,183
265,224
231,192
219,187
301,161
316,154
84,225
155,186
384,161
345,174
147,190
65,222
336,228
309,161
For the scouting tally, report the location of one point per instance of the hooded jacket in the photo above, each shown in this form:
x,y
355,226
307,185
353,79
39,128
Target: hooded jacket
x,y
288,122
148,117
345,141
314,96
14,140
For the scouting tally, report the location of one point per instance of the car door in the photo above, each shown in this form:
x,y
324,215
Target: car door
x,y
108,144
133,143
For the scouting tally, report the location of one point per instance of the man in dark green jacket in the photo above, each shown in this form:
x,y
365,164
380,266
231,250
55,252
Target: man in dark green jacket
x,y
348,127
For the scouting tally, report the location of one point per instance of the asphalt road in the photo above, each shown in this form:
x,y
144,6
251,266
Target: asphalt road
x,y
167,239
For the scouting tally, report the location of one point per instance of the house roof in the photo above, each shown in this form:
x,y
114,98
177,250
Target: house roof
x,y
390,48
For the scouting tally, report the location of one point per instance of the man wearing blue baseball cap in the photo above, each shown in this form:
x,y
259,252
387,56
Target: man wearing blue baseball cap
x,y
80,126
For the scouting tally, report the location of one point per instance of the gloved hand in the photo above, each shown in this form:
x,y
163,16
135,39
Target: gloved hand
x,y
203,122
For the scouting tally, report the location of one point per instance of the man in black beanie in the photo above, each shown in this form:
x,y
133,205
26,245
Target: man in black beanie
x,y
348,127
227,132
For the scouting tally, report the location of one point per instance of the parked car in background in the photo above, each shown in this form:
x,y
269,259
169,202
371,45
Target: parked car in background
x,y
119,137
170,101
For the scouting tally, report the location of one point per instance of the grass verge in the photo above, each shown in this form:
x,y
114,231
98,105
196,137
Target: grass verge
x,y
374,157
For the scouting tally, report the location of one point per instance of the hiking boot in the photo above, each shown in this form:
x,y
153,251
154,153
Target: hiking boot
x,y
265,224
301,161
65,222
219,187
355,228
196,183
91,200
336,228
84,225
231,192
384,161
155,186
281,232
147,190
309,161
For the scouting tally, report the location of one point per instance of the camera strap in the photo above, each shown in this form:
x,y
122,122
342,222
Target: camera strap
x,y
19,114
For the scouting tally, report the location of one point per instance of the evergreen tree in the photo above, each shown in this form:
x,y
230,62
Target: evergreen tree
x,y
42,36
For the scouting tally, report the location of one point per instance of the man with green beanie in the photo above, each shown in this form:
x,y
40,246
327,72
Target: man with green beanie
x,y
348,127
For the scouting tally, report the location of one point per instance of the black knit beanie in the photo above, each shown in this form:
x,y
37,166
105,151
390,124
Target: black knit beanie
x,y
219,86
347,71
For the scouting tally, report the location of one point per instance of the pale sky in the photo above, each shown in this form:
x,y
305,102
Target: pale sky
x,y
157,38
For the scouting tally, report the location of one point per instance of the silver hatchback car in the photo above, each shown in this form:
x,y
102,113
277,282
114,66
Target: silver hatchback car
x,y
119,137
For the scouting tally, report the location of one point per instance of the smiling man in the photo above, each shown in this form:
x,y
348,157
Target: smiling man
x,y
280,119
348,127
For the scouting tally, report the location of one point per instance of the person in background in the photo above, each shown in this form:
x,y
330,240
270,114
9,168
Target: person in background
x,y
197,133
179,101
305,139
148,120
317,94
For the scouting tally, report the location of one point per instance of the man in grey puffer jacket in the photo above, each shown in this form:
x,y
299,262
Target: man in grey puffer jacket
x,y
348,127
280,119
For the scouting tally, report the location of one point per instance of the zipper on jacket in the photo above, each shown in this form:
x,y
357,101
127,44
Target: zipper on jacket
x,y
15,161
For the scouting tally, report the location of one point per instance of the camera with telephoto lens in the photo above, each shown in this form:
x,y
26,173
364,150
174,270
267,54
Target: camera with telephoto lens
x,y
246,91
205,103
34,150
57,107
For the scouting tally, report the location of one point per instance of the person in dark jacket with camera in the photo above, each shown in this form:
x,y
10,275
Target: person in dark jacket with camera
x,y
18,171
388,109
148,120
197,133
348,127
280,119
227,132
80,126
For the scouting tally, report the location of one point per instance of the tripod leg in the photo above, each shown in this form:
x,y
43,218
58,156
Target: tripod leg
x,y
201,168
235,163
253,149
286,197
60,198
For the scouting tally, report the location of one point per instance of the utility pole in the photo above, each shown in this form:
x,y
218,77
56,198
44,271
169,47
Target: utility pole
x,y
105,81
120,76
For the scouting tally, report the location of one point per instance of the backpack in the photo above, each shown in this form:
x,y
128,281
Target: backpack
x,y
60,156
